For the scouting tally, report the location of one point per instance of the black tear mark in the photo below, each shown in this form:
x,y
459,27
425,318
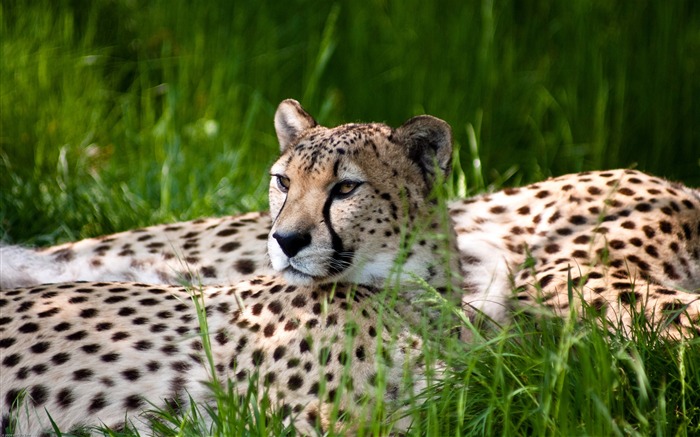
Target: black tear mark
x,y
342,259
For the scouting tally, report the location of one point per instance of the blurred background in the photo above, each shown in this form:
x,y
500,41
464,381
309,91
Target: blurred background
x,y
124,113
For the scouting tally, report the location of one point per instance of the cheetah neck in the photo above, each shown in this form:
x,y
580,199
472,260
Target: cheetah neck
x,y
432,257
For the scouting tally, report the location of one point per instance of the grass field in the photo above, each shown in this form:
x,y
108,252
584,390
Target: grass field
x,y
117,113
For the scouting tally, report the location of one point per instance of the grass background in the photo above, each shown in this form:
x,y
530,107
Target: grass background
x,y
119,113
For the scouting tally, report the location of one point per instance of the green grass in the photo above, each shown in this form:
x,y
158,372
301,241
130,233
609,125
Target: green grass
x,y
116,114
556,378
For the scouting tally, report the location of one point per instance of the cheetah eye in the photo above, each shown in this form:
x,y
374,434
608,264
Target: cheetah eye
x,y
345,188
282,183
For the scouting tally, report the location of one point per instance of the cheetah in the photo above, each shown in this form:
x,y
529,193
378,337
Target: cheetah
x,y
96,353
91,353
622,238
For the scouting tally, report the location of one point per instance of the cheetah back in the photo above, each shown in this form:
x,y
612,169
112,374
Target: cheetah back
x,y
221,250
623,237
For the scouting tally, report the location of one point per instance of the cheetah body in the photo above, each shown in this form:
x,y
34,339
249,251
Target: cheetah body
x,y
221,250
94,354
621,238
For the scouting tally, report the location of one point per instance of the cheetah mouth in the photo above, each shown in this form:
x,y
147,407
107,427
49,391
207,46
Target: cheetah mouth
x,y
296,276
310,269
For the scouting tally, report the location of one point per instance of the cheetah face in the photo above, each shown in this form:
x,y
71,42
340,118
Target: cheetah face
x,y
342,198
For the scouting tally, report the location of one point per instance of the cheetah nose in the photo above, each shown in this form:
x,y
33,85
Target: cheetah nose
x,y
293,242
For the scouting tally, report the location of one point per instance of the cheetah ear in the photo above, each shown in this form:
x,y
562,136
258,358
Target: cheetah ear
x,y
290,122
429,143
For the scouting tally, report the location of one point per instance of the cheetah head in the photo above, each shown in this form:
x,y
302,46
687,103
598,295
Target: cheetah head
x,y
342,198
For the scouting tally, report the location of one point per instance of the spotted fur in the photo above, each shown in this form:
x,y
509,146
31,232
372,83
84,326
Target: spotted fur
x,y
627,242
97,353
205,251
